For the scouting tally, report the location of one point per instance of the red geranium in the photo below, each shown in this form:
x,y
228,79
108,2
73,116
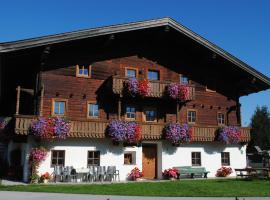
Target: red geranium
x,y
170,173
144,87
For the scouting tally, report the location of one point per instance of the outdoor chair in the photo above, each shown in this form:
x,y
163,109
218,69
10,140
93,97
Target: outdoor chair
x,y
68,175
101,172
92,174
116,173
110,173
58,173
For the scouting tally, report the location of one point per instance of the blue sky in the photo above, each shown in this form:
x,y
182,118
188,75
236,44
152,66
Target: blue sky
x,y
240,27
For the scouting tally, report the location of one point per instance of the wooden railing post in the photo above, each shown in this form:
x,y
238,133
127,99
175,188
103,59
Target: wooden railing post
x,y
119,108
177,112
18,100
41,101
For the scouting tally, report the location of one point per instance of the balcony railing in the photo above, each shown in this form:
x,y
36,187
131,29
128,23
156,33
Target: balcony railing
x,y
150,131
158,88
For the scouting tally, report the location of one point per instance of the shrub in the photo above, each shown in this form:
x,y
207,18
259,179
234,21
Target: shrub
x,y
170,173
223,171
135,173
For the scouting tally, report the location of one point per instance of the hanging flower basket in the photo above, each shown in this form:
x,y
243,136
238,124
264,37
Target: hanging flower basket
x,y
49,128
4,122
121,131
137,87
178,134
229,135
178,91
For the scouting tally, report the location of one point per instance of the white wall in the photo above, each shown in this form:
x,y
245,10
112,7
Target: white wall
x,y
168,156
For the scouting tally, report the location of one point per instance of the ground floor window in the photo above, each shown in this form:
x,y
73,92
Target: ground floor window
x,y
129,158
57,158
93,158
225,158
196,158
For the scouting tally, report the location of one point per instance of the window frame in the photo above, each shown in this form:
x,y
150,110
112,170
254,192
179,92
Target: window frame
x,y
133,157
196,158
93,158
144,115
88,109
53,106
221,124
181,77
196,116
224,158
132,68
130,119
83,75
64,158
153,70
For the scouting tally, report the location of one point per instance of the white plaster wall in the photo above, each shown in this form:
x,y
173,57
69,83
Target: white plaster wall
x,y
76,154
168,156
210,155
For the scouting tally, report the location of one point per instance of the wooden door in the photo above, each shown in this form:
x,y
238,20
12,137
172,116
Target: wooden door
x,y
149,161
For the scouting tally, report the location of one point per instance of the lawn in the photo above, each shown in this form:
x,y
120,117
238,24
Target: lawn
x,y
228,187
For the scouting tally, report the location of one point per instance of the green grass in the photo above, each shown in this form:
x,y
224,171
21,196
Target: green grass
x,y
226,187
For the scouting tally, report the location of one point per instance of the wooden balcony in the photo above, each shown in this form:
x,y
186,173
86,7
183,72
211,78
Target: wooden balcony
x,y
158,88
150,131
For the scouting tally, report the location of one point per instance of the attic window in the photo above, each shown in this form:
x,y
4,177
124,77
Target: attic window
x,y
82,71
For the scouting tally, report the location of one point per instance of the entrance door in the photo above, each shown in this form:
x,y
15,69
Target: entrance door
x,y
149,160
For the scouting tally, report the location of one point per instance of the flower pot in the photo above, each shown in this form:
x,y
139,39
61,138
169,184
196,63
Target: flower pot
x,y
45,181
35,181
139,179
172,179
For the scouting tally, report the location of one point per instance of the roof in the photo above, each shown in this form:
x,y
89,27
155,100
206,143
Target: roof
x,y
114,29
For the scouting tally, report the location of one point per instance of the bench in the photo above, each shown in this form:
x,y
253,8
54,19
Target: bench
x,y
192,172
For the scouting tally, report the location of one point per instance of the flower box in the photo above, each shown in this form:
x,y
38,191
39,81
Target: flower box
x,y
229,135
178,134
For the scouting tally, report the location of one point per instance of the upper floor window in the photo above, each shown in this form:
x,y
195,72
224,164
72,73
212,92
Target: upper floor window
x,y
225,158
93,158
153,75
184,80
57,158
221,118
59,107
83,71
93,110
191,116
196,159
130,112
131,72
150,115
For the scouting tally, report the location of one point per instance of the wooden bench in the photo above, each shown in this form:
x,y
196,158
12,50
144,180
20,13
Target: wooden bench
x,y
192,172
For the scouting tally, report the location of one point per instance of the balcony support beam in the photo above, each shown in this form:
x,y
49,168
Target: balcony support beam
x,y
18,99
41,101
119,108
177,112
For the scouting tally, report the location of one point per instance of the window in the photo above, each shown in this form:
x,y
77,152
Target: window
x,y
221,118
93,110
93,158
150,115
191,116
59,107
153,75
184,80
225,158
130,112
57,158
196,158
131,73
129,158
82,71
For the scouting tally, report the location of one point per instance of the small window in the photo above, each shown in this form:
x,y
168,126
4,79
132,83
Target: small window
x,y
225,158
150,115
221,118
184,80
82,71
191,116
196,158
129,158
131,73
93,158
130,112
93,110
59,107
57,158
153,75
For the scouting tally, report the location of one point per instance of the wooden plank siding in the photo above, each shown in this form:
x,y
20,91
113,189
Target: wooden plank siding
x,y
97,129
61,82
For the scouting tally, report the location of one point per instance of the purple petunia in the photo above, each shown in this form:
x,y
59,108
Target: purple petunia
x,y
132,86
177,134
229,135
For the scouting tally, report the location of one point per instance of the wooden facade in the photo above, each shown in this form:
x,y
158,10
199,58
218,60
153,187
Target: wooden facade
x,y
46,70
